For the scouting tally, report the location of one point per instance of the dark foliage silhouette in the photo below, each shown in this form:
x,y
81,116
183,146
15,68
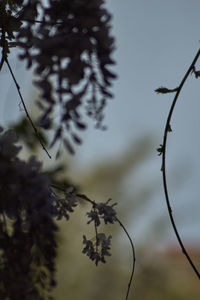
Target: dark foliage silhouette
x,y
68,45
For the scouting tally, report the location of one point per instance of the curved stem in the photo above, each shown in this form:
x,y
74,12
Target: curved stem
x,y
24,105
134,257
163,168
82,196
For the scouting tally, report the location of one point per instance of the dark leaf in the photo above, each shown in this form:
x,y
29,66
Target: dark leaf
x,y
76,139
68,146
80,125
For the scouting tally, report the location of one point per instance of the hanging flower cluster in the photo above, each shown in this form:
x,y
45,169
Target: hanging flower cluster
x,y
69,45
27,228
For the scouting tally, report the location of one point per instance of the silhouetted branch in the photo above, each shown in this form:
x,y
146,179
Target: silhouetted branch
x,y
4,58
162,151
134,257
25,108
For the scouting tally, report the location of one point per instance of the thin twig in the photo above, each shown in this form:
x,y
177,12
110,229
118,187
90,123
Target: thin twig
x,y
134,257
4,58
26,111
42,22
82,196
163,168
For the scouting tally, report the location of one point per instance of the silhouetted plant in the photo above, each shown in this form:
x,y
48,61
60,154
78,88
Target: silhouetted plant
x,y
68,43
69,46
162,150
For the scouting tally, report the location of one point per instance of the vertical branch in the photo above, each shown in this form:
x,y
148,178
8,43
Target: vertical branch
x,y
163,168
134,257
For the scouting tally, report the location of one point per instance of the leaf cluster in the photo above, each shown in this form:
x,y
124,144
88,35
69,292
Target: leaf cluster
x,y
99,211
92,249
29,208
27,229
69,46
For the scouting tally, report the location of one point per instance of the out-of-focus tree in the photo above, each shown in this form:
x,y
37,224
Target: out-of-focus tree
x,y
158,274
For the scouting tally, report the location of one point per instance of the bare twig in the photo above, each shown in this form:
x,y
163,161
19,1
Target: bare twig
x,y
134,257
163,168
25,108
83,197
4,59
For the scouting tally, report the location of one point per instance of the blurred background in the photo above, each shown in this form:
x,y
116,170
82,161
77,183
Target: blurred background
x,y
156,42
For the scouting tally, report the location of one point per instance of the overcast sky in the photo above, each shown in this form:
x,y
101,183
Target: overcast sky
x,y
156,41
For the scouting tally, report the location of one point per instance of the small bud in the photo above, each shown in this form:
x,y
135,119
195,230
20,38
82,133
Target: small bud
x,y
169,129
160,149
164,90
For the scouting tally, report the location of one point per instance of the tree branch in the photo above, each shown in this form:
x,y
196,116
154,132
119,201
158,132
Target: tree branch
x,y
163,168
134,257
25,108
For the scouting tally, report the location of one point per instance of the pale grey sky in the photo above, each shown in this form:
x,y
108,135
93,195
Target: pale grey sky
x,y
156,41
